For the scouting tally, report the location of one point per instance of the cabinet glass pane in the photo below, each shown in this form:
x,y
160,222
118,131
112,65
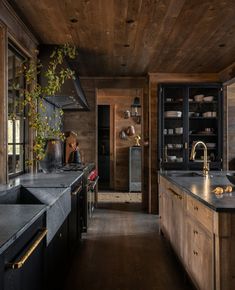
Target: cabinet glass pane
x,y
173,111
19,151
203,121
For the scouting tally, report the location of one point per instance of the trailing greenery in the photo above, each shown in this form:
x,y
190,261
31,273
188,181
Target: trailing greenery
x,y
34,93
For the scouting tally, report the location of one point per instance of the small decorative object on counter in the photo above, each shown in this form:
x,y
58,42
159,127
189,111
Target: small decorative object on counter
x,y
53,156
137,140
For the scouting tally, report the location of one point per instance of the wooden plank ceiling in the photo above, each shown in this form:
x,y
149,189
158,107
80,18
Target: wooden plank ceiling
x,y
134,37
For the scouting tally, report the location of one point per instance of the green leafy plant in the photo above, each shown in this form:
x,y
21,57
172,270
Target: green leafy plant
x,y
34,93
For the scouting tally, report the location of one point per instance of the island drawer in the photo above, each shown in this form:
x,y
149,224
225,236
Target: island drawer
x,y
201,212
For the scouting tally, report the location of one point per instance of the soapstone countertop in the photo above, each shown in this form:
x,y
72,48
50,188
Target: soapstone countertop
x,y
15,220
54,180
201,188
52,190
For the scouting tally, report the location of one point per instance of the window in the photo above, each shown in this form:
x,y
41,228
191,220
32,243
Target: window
x,y
16,113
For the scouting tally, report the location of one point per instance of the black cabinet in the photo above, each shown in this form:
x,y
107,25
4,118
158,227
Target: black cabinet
x,y
75,218
56,258
22,264
189,113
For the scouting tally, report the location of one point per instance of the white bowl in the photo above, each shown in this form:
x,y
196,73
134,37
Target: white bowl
x,y
208,99
209,114
171,158
179,159
172,113
198,98
178,146
179,130
211,145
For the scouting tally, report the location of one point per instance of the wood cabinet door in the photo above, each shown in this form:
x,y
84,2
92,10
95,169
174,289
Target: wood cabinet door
x,y
199,255
167,214
177,224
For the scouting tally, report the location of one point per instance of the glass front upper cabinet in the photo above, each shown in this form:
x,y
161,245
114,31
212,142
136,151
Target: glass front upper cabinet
x,y
189,113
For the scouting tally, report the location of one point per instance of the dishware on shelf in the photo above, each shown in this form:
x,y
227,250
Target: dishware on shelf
x,y
171,158
179,159
208,99
169,99
179,130
165,131
209,130
196,114
169,146
170,131
191,114
198,98
171,114
190,100
209,114
211,145
178,146
205,133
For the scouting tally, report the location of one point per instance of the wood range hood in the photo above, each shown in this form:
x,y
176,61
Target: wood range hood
x,y
71,96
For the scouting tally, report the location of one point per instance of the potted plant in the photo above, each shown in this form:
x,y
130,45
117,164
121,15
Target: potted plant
x,y
55,74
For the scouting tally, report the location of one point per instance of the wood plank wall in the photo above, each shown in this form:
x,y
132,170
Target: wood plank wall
x,y
85,123
154,80
122,100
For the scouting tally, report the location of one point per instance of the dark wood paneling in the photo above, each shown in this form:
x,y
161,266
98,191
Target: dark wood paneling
x,y
85,123
122,99
134,37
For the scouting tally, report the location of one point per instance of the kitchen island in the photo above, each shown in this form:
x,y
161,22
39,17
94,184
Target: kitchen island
x,y
200,226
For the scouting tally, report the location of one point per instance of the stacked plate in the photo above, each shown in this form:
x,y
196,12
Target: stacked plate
x,y
198,98
173,114
208,99
209,114
211,145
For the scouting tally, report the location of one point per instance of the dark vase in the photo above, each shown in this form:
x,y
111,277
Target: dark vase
x,y
53,156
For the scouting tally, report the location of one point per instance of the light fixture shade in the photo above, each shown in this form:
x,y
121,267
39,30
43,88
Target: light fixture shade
x,y
136,102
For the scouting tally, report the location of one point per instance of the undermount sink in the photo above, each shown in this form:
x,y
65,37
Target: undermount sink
x,y
18,195
187,174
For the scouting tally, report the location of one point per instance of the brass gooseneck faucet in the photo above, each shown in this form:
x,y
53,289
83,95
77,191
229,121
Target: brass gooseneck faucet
x,y
205,162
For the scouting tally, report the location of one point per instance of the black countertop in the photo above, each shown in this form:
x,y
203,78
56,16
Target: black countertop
x,y
15,219
201,188
53,190
53,180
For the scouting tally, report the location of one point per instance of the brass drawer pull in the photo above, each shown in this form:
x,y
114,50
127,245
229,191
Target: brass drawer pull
x,y
177,195
75,192
19,264
195,208
195,232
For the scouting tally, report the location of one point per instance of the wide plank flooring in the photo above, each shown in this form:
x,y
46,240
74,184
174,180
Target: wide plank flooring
x,y
124,251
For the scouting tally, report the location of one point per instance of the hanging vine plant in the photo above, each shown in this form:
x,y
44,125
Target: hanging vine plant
x,y
34,93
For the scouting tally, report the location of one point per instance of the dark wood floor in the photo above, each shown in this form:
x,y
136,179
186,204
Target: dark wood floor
x,y
124,251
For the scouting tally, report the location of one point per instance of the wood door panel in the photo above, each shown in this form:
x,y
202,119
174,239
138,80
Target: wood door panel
x,y
199,255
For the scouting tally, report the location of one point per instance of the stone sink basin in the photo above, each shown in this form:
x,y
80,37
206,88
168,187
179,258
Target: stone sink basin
x,y
187,174
18,195
57,200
